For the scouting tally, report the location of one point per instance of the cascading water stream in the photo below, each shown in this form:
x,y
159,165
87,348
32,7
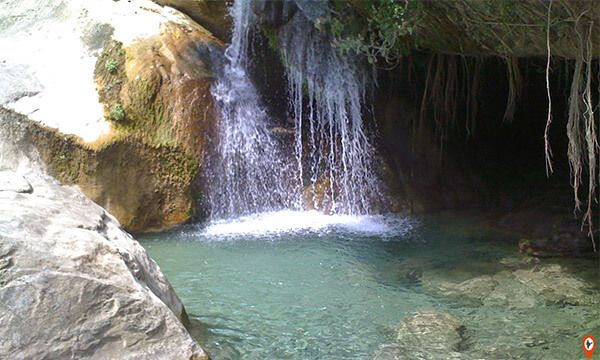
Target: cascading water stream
x,y
250,171
327,93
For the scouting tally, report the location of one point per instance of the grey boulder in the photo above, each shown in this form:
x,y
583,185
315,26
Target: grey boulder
x,y
74,285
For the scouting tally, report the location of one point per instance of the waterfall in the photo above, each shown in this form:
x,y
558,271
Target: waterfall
x,y
327,93
250,171
255,171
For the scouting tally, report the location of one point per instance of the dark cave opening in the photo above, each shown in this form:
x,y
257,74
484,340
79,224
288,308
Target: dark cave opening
x,y
500,163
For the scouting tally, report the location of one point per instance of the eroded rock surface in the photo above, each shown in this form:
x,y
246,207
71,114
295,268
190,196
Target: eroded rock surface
x,y
74,285
211,14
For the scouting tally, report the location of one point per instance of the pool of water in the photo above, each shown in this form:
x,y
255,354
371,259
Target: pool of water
x,y
306,286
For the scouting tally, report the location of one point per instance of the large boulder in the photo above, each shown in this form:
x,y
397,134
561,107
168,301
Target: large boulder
x,y
121,93
146,187
74,285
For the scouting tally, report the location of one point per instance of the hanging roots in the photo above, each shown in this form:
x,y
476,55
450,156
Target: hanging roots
x,y
452,79
581,128
478,29
515,84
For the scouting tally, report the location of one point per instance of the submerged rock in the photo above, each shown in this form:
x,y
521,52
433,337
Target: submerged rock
x,y
73,284
554,285
517,288
390,352
477,288
429,335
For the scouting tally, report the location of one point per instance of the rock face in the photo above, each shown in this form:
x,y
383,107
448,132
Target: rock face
x,y
129,83
73,284
413,171
210,13
146,187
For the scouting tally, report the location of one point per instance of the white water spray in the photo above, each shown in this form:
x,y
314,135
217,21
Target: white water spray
x,y
250,172
327,93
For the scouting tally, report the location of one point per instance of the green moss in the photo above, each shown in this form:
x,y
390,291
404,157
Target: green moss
x,y
134,105
161,175
109,75
111,65
117,113
147,116
272,36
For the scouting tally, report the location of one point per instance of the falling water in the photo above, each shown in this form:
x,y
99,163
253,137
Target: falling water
x,y
332,170
327,93
250,171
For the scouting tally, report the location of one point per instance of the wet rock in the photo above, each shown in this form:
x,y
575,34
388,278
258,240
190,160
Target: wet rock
x,y
74,285
11,181
561,244
274,13
547,231
429,335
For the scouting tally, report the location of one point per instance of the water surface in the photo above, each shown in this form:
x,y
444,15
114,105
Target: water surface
x,y
305,286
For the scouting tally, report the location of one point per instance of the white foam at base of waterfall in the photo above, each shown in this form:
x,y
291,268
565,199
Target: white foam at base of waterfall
x,y
270,225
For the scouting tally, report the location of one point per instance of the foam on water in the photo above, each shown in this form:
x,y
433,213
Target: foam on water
x,y
287,222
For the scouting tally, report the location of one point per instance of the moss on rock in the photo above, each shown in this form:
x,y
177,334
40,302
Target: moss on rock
x,y
156,92
146,187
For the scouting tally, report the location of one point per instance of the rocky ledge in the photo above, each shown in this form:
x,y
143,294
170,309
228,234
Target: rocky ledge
x,y
74,285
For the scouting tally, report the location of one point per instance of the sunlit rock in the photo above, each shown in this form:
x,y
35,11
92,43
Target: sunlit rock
x,y
11,181
126,84
74,285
